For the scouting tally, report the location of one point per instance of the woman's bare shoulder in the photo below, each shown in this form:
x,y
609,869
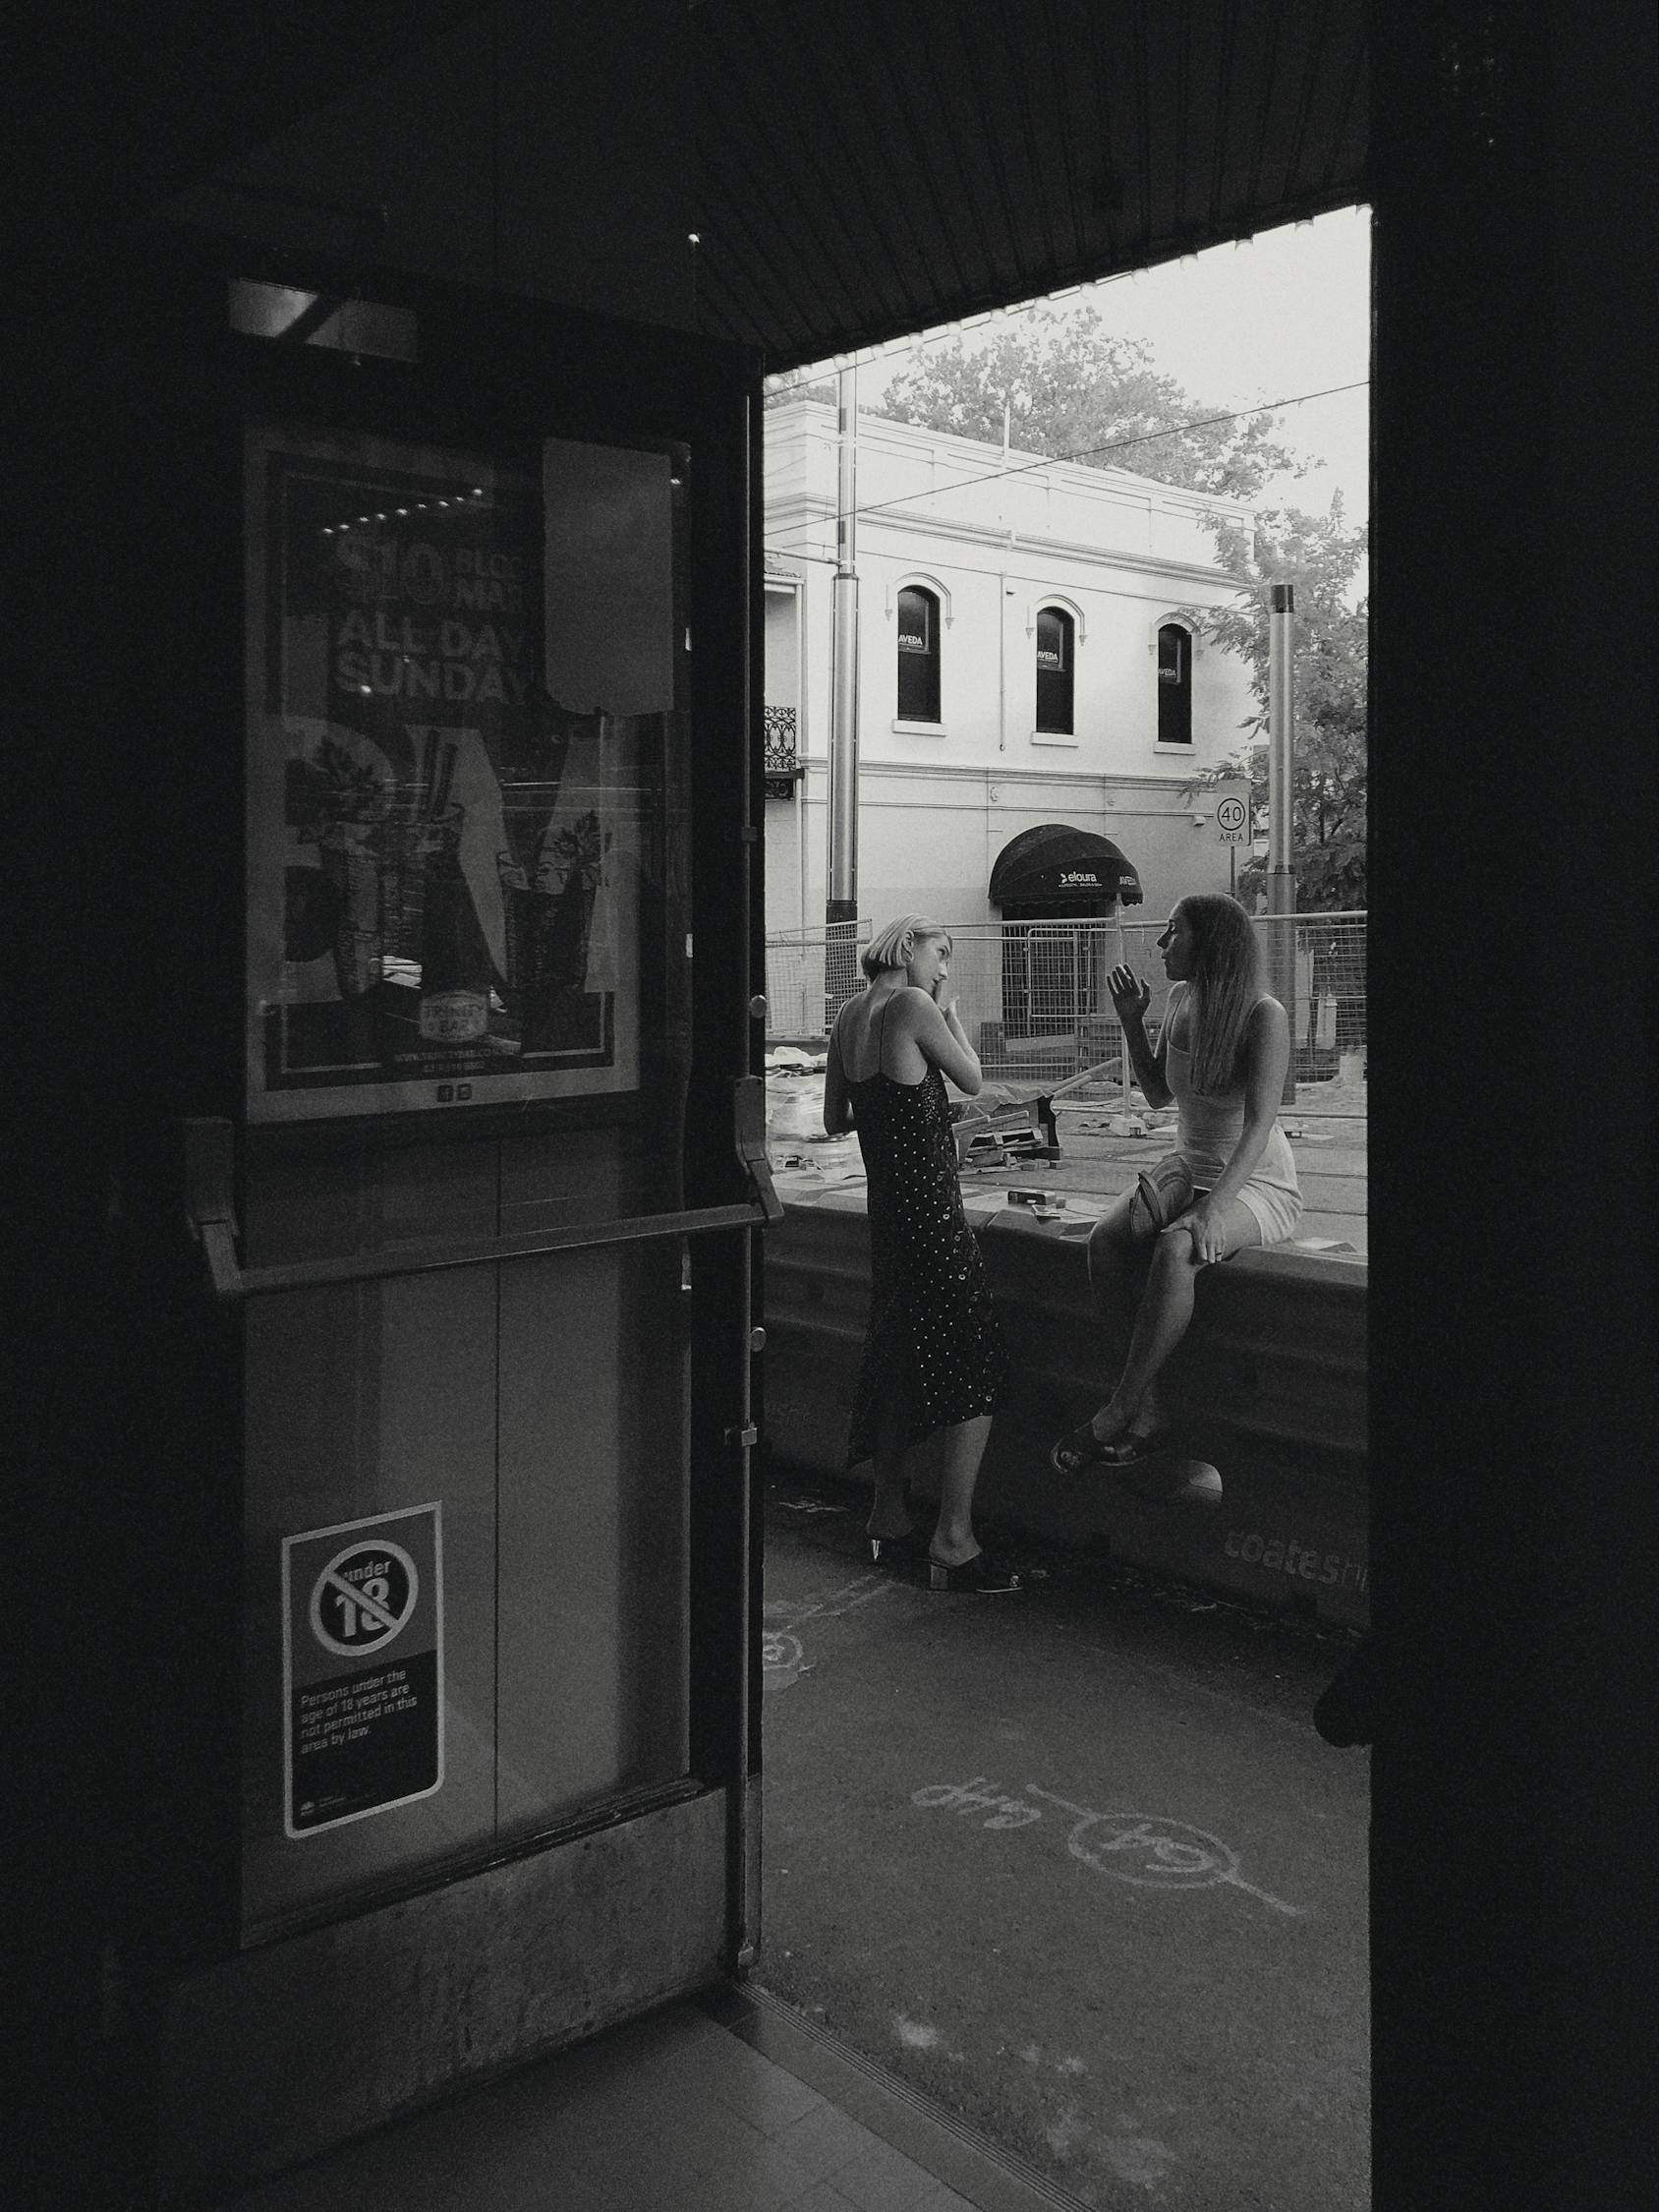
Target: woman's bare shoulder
x,y
1266,1021
912,1005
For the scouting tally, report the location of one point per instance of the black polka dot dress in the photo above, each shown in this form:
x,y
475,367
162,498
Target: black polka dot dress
x,y
933,1327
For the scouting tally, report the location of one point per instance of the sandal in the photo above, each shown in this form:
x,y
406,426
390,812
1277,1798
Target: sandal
x,y
978,1574
1134,1445
1081,1448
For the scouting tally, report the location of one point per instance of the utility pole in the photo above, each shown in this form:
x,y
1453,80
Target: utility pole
x,y
1281,880
841,906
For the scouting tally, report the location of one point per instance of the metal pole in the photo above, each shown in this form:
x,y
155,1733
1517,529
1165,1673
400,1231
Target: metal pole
x,y
840,906
1280,882
1125,1069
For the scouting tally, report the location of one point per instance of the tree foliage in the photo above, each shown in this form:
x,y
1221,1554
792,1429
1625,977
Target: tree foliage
x,y
1321,556
787,388
1074,391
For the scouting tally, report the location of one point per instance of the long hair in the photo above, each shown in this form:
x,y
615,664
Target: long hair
x,y
1226,984
895,945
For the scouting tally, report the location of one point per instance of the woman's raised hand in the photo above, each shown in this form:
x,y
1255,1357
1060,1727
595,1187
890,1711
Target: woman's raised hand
x,y
1129,995
944,993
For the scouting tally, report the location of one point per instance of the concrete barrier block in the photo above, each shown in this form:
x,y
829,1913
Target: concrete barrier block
x,y
1266,1491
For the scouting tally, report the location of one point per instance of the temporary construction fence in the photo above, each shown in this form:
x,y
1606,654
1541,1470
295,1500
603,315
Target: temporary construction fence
x,y
810,975
1034,996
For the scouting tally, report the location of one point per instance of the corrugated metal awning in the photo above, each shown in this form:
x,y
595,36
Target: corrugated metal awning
x,y
870,170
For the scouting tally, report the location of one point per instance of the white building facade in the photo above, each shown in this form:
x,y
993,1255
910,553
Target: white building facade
x,y
1025,657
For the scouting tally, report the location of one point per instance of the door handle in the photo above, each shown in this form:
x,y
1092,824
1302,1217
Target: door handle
x,y
211,1203
210,1214
749,1130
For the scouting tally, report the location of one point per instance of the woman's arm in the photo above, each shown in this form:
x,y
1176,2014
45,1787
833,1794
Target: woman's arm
x,y
838,1105
1130,997
939,1038
1265,1054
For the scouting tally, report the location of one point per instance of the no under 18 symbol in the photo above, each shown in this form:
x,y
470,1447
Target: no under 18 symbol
x,y
363,1597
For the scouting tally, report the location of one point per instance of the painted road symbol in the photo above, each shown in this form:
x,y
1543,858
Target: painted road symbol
x,y
363,1597
1148,1850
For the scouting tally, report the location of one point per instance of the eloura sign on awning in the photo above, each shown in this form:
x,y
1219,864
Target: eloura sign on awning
x,y
1056,862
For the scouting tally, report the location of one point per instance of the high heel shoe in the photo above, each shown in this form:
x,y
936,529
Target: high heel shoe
x,y
906,1554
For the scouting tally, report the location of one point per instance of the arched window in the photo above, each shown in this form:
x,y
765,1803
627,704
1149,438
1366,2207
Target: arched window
x,y
1174,685
918,655
1055,639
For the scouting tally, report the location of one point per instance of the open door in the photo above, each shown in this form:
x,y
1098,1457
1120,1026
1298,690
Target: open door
x,y
439,686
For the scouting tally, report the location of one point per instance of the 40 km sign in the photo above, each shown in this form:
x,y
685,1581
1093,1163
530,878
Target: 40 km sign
x,y
1231,818
361,1667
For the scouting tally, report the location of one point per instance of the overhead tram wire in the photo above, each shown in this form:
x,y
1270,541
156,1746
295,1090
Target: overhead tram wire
x,y
1112,445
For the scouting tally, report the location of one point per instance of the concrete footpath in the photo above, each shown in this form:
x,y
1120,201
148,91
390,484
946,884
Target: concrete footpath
x,y
1073,1863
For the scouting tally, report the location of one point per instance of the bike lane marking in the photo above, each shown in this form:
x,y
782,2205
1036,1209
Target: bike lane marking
x,y
1174,1854
1176,1862
782,1652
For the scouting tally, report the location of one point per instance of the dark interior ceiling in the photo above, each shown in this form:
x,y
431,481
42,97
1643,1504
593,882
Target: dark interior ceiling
x,y
109,110
868,167
876,167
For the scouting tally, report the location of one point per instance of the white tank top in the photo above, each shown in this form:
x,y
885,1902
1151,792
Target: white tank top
x,y
1209,1125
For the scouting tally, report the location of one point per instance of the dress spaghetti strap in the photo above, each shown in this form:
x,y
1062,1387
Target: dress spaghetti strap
x,y
881,1038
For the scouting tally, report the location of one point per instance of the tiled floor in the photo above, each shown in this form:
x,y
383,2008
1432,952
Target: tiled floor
x,y
730,2103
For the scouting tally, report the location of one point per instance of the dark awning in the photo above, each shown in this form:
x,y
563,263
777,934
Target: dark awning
x,y
869,173
1057,865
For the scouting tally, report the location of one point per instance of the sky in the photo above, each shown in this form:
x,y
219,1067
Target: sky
x,y
1283,314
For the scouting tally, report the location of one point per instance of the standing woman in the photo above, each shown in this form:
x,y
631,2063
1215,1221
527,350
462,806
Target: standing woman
x,y
934,1360
1221,1055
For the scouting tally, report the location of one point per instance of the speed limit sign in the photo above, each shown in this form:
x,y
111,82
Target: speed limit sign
x,y
1231,814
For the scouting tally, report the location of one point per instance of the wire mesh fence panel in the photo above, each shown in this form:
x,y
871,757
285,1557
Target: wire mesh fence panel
x,y
1316,968
810,975
1035,1000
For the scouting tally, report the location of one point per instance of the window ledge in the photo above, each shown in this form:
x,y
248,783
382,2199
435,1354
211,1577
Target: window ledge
x,y
1053,737
921,729
1169,745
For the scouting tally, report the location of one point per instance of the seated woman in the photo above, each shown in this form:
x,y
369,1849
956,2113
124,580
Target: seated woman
x,y
1221,1055
934,1360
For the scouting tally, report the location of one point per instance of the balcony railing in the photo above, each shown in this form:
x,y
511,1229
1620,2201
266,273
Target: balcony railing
x,y
782,769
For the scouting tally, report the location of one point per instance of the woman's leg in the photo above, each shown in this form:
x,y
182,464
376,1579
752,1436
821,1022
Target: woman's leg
x,y
1165,1312
889,1516
1120,1262
960,1450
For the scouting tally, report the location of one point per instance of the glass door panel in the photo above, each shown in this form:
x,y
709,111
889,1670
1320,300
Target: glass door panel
x,y
468,1020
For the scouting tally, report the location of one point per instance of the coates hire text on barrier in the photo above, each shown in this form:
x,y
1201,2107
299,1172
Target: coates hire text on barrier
x,y
1288,1555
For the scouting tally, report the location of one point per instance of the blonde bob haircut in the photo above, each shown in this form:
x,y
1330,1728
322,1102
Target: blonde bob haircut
x,y
895,945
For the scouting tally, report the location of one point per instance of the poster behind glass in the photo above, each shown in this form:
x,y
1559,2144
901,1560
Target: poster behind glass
x,y
460,673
